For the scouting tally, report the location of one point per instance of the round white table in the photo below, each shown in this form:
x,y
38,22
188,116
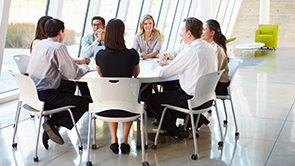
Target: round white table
x,y
250,47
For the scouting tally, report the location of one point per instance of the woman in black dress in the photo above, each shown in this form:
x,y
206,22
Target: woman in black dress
x,y
117,61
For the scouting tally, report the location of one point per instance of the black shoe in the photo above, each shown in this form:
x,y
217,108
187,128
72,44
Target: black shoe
x,y
53,133
125,148
182,134
115,148
45,139
203,120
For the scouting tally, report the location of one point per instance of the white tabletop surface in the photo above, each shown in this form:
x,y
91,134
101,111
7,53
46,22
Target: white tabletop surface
x,y
146,75
250,46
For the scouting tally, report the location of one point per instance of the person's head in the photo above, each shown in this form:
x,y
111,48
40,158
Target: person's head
x,y
191,30
40,29
55,27
212,32
147,24
97,22
114,35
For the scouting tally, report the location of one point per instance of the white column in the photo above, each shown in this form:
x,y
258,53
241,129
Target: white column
x,y
264,11
163,15
94,9
4,13
146,7
205,10
193,8
55,8
123,10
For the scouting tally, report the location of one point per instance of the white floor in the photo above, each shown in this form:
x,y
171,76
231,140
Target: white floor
x,y
264,103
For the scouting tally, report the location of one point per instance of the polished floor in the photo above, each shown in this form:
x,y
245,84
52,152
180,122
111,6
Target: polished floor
x,y
264,103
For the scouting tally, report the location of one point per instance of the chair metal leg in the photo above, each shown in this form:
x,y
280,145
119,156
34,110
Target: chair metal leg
x,y
225,121
14,144
37,139
195,155
234,116
89,137
142,141
220,129
74,123
145,129
186,122
154,146
94,133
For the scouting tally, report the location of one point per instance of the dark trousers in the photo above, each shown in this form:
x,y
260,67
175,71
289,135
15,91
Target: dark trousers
x,y
221,88
54,99
176,98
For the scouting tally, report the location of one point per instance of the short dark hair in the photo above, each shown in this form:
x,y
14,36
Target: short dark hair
x,y
53,26
195,26
114,35
98,18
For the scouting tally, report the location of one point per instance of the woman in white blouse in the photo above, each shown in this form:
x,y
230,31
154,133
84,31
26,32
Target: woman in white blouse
x,y
212,34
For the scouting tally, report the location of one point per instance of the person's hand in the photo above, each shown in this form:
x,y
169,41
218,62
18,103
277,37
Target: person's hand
x,y
143,56
166,56
87,67
99,33
87,60
161,62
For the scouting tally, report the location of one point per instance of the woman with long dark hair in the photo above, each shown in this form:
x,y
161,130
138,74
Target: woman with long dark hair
x,y
212,34
117,61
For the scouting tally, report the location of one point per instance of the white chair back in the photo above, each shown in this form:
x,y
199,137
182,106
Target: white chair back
x,y
115,93
28,91
205,89
233,66
22,62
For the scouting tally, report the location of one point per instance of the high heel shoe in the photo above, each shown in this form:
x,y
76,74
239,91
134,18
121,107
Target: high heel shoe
x,y
125,148
115,148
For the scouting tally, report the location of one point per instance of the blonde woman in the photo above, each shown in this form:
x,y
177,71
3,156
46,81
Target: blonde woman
x,y
149,40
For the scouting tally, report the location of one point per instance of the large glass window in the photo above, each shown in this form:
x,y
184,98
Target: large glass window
x,y
168,24
108,9
23,16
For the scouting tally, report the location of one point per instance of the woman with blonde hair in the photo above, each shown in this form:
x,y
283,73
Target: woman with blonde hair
x,y
149,40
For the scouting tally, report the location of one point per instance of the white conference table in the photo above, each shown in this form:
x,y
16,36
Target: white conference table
x,y
146,75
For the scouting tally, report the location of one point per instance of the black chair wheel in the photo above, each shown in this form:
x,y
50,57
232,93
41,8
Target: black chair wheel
x,y
225,122
35,159
237,134
220,143
32,116
145,164
154,147
80,148
94,146
146,146
88,163
210,111
194,157
14,145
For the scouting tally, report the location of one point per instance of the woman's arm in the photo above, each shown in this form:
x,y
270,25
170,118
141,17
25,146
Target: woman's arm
x,y
150,55
98,70
136,70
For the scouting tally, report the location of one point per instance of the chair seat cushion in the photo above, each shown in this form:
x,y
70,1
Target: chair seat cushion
x,y
205,105
116,113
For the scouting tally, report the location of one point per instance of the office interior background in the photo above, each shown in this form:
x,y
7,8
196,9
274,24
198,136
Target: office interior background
x,y
265,85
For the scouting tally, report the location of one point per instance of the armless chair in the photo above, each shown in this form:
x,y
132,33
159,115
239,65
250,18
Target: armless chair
x,y
22,62
120,94
205,92
267,34
29,101
233,66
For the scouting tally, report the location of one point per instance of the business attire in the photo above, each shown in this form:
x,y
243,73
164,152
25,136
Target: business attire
x,y
221,88
118,63
50,61
190,64
89,42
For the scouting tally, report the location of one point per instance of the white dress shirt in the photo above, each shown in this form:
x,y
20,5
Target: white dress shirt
x,y
177,50
190,64
89,44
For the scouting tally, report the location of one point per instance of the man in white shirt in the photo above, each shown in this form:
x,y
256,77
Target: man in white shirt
x,y
190,64
50,61
91,41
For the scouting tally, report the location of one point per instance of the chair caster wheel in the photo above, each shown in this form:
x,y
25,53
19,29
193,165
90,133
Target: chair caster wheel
x,y
220,143
194,157
145,164
94,147
32,116
14,145
237,134
210,111
88,163
35,159
80,148
154,147
225,122
146,146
